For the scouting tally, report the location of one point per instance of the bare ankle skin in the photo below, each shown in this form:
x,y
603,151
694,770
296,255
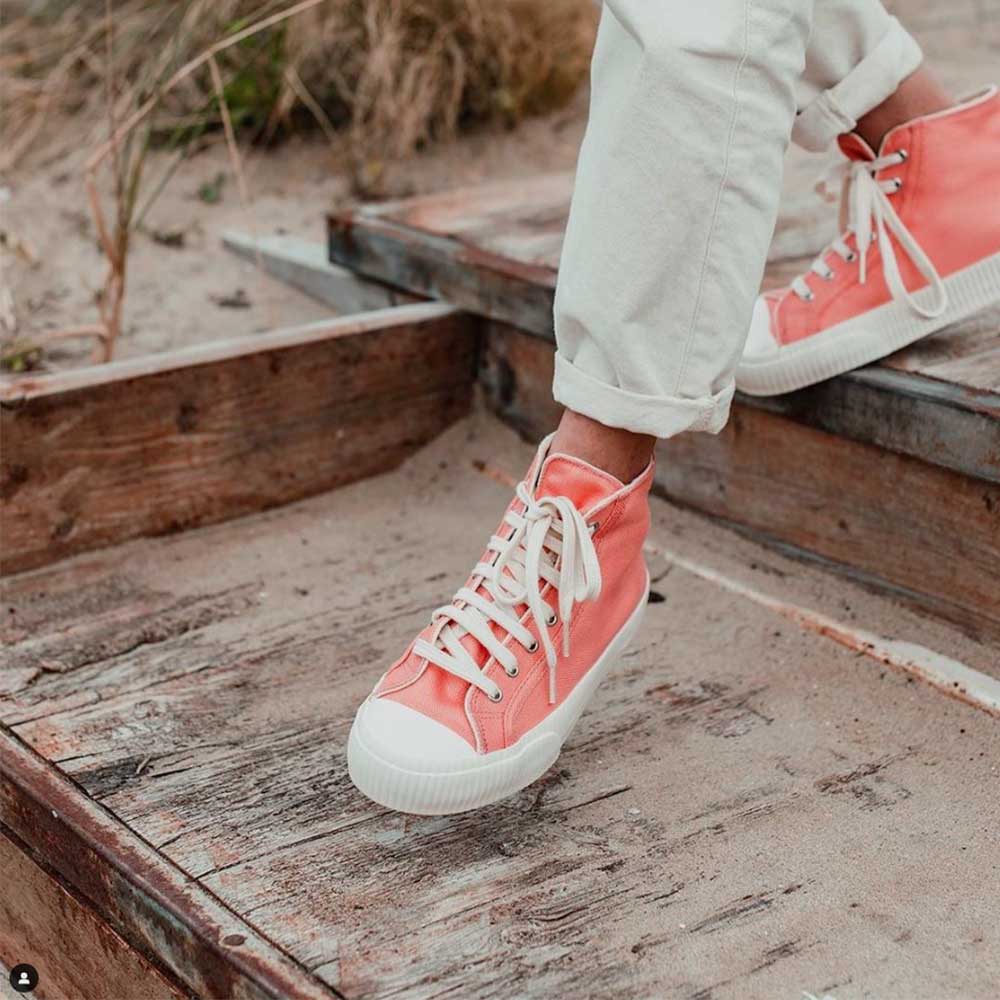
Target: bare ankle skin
x,y
919,94
622,453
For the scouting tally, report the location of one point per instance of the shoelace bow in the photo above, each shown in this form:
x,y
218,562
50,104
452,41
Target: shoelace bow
x,y
868,199
550,542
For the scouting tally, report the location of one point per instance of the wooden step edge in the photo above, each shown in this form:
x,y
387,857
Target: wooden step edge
x,y
153,905
303,264
944,424
46,923
22,387
154,445
444,268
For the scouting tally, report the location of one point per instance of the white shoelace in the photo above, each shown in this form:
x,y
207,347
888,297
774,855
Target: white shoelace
x,y
550,543
868,200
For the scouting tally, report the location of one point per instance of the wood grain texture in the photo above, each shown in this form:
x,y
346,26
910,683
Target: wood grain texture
x,y
494,251
441,267
895,521
152,905
932,534
682,847
160,444
44,923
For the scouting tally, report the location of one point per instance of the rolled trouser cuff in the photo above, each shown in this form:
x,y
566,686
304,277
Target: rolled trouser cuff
x,y
661,416
837,110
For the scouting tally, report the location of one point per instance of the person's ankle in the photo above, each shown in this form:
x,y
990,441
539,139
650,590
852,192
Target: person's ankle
x,y
624,454
919,94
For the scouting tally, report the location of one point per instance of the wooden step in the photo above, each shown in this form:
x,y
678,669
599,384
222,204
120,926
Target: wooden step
x,y
175,806
153,445
890,473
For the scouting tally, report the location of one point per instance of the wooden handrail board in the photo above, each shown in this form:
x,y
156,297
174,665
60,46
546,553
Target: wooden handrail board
x,y
155,444
939,401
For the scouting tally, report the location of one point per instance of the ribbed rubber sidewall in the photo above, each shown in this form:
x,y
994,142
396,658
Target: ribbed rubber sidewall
x,y
869,337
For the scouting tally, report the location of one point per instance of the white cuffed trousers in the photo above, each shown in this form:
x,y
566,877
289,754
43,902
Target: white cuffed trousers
x,y
692,106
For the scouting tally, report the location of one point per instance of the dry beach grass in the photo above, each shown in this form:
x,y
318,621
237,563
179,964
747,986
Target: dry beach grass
x,y
380,78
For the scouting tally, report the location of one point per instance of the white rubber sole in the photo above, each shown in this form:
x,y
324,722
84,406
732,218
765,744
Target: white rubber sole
x,y
493,776
868,337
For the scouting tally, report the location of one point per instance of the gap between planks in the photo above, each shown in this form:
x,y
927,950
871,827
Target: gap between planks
x,y
949,676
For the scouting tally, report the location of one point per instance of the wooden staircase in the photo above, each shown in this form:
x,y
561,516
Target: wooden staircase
x,y
173,709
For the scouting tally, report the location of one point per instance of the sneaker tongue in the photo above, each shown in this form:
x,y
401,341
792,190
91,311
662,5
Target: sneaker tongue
x,y
566,476
854,147
561,475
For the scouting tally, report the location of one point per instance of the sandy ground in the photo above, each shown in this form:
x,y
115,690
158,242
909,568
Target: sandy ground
x,y
183,287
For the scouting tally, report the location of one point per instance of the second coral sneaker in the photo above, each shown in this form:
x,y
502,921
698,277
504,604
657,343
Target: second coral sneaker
x,y
921,251
480,703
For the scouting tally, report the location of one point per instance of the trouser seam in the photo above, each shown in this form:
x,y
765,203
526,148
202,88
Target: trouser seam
x,y
717,208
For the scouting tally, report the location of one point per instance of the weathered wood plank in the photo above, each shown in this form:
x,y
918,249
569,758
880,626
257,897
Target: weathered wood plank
x,y
624,872
928,533
158,444
304,265
947,425
440,267
967,354
76,953
151,904
893,520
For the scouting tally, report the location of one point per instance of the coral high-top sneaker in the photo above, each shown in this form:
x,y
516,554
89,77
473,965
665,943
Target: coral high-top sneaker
x,y
921,251
481,702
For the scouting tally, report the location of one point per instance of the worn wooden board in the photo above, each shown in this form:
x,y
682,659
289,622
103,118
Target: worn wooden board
x,y
44,923
166,442
938,401
305,266
136,891
795,818
927,532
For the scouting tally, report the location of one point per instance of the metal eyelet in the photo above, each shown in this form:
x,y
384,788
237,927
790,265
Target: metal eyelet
x,y
829,276
513,673
851,257
552,619
808,297
499,697
594,527
533,648
898,181
903,155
